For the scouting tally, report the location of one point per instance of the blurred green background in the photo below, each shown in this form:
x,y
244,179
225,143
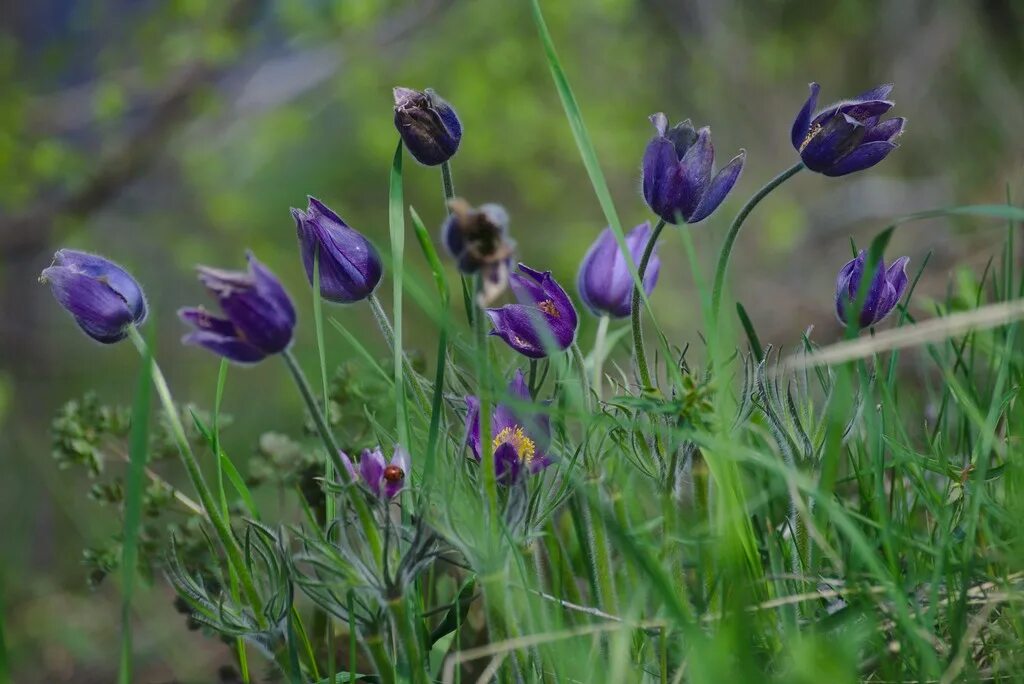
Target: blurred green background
x,y
162,134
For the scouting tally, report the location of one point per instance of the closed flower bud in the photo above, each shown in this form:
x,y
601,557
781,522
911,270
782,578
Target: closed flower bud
x,y
605,283
544,320
350,266
847,136
678,178
103,298
885,289
428,125
384,479
258,316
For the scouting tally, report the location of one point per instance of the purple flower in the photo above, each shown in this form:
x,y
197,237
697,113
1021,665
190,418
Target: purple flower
x,y
604,281
258,320
519,438
428,125
350,267
384,480
677,172
545,316
103,297
847,136
886,288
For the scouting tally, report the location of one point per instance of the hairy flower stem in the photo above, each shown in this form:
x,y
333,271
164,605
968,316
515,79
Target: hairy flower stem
x,y
599,353
734,231
577,356
383,663
408,636
638,332
334,453
490,476
195,474
389,337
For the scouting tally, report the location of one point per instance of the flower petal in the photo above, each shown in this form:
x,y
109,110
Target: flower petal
x,y
863,157
662,179
371,469
802,123
98,309
696,167
888,130
720,186
515,324
473,425
119,280
230,347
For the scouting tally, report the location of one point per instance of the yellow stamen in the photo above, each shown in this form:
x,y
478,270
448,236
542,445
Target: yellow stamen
x,y
524,446
810,136
548,307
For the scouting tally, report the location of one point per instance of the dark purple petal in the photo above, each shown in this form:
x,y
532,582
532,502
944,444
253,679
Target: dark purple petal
x,y
886,301
517,387
515,323
539,462
696,167
371,469
662,179
256,304
201,319
877,293
98,309
802,123
720,186
887,131
830,140
660,122
350,266
503,417
597,281
507,463
473,425
863,157
897,275
119,280
878,93
682,136
846,284
231,348
349,468
529,285
866,113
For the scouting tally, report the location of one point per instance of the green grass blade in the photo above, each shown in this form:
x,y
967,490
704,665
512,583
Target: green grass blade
x,y
134,483
360,349
396,224
436,407
748,328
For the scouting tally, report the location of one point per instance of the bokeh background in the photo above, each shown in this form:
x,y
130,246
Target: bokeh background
x,y
166,133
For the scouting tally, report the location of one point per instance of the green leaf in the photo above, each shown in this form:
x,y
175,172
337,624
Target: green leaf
x,y
396,224
748,327
456,615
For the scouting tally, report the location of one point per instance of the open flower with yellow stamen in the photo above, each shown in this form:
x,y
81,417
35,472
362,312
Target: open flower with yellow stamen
x,y
543,321
519,437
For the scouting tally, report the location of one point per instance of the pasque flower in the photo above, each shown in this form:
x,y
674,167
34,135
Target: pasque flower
x,y
350,266
384,479
429,127
847,136
884,289
605,283
519,437
477,238
544,318
678,179
258,320
103,297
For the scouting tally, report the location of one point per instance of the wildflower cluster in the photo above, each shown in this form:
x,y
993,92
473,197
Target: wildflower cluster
x,y
383,523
